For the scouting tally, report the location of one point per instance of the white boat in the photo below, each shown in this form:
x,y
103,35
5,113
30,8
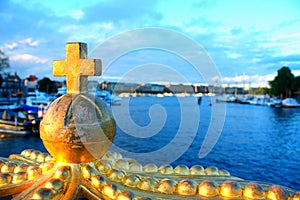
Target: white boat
x,y
36,102
290,103
108,98
61,91
274,102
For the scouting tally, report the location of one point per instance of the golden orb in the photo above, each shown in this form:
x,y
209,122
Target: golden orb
x,y
77,128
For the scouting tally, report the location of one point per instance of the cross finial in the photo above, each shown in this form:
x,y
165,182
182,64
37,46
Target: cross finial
x,y
77,67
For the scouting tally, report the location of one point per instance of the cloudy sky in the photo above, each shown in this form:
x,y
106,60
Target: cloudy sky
x,y
247,41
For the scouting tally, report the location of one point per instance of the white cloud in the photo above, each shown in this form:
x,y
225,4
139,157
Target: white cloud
x,y
254,80
76,14
232,55
28,58
296,72
29,41
11,46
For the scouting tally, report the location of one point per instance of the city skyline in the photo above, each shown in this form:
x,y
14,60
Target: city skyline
x,y
247,41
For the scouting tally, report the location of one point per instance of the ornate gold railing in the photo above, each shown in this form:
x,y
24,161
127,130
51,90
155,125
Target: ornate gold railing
x,y
78,130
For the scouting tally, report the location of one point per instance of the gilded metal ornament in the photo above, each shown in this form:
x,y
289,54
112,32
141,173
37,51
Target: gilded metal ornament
x,y
78,130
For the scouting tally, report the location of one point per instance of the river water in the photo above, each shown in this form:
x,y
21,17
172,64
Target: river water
x,y
254,142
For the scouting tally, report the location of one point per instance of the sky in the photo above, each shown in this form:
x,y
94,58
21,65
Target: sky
x,y
240,42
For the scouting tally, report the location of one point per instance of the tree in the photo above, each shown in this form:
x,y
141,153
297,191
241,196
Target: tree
x,y
46,85
283,84
4,61
297,83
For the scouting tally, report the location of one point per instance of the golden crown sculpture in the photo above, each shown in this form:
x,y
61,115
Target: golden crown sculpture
x,y
78,130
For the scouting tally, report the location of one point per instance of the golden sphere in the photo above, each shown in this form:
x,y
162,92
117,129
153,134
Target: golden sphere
x,y
208,188
55,184
166,186
5,178
131,180
230,189
253,190
19,177
197,170
43,193
276,192
150,168
135,167
166,169
77,128
187,187
296,196
147,184
182,169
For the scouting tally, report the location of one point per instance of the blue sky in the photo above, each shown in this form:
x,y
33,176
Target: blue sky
x,y
248,41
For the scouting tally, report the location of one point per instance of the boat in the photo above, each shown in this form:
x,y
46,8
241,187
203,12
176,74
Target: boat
x,y
36,103
107,97
18,122
290,103
274,102
61,91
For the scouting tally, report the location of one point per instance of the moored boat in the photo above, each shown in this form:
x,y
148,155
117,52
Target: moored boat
x,y
18,122
290,103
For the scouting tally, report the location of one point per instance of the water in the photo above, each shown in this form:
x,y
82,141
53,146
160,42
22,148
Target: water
x,y
256,143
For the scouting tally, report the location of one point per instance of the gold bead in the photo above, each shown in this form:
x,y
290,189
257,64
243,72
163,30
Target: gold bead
x,y
19,177
147,184
296,196
26,152
110,191
48,158
55,185
224,172
43,193
125,195
1,163
122,164
46,166
104,166
21,168
211,171
98,181
186,187
5,179
41,157
277,193
112,155
230,189
109,155
208,188
131,180
166,169
63,172
135,167
166,186
150,168
116,175
117,155
33,172
87,171
253,190
197,170
8,167
34,155
182,169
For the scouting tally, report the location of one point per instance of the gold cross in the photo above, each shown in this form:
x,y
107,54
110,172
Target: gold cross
x,y
77,67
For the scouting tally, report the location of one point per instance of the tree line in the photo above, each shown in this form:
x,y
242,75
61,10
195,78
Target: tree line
x,y
285,84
